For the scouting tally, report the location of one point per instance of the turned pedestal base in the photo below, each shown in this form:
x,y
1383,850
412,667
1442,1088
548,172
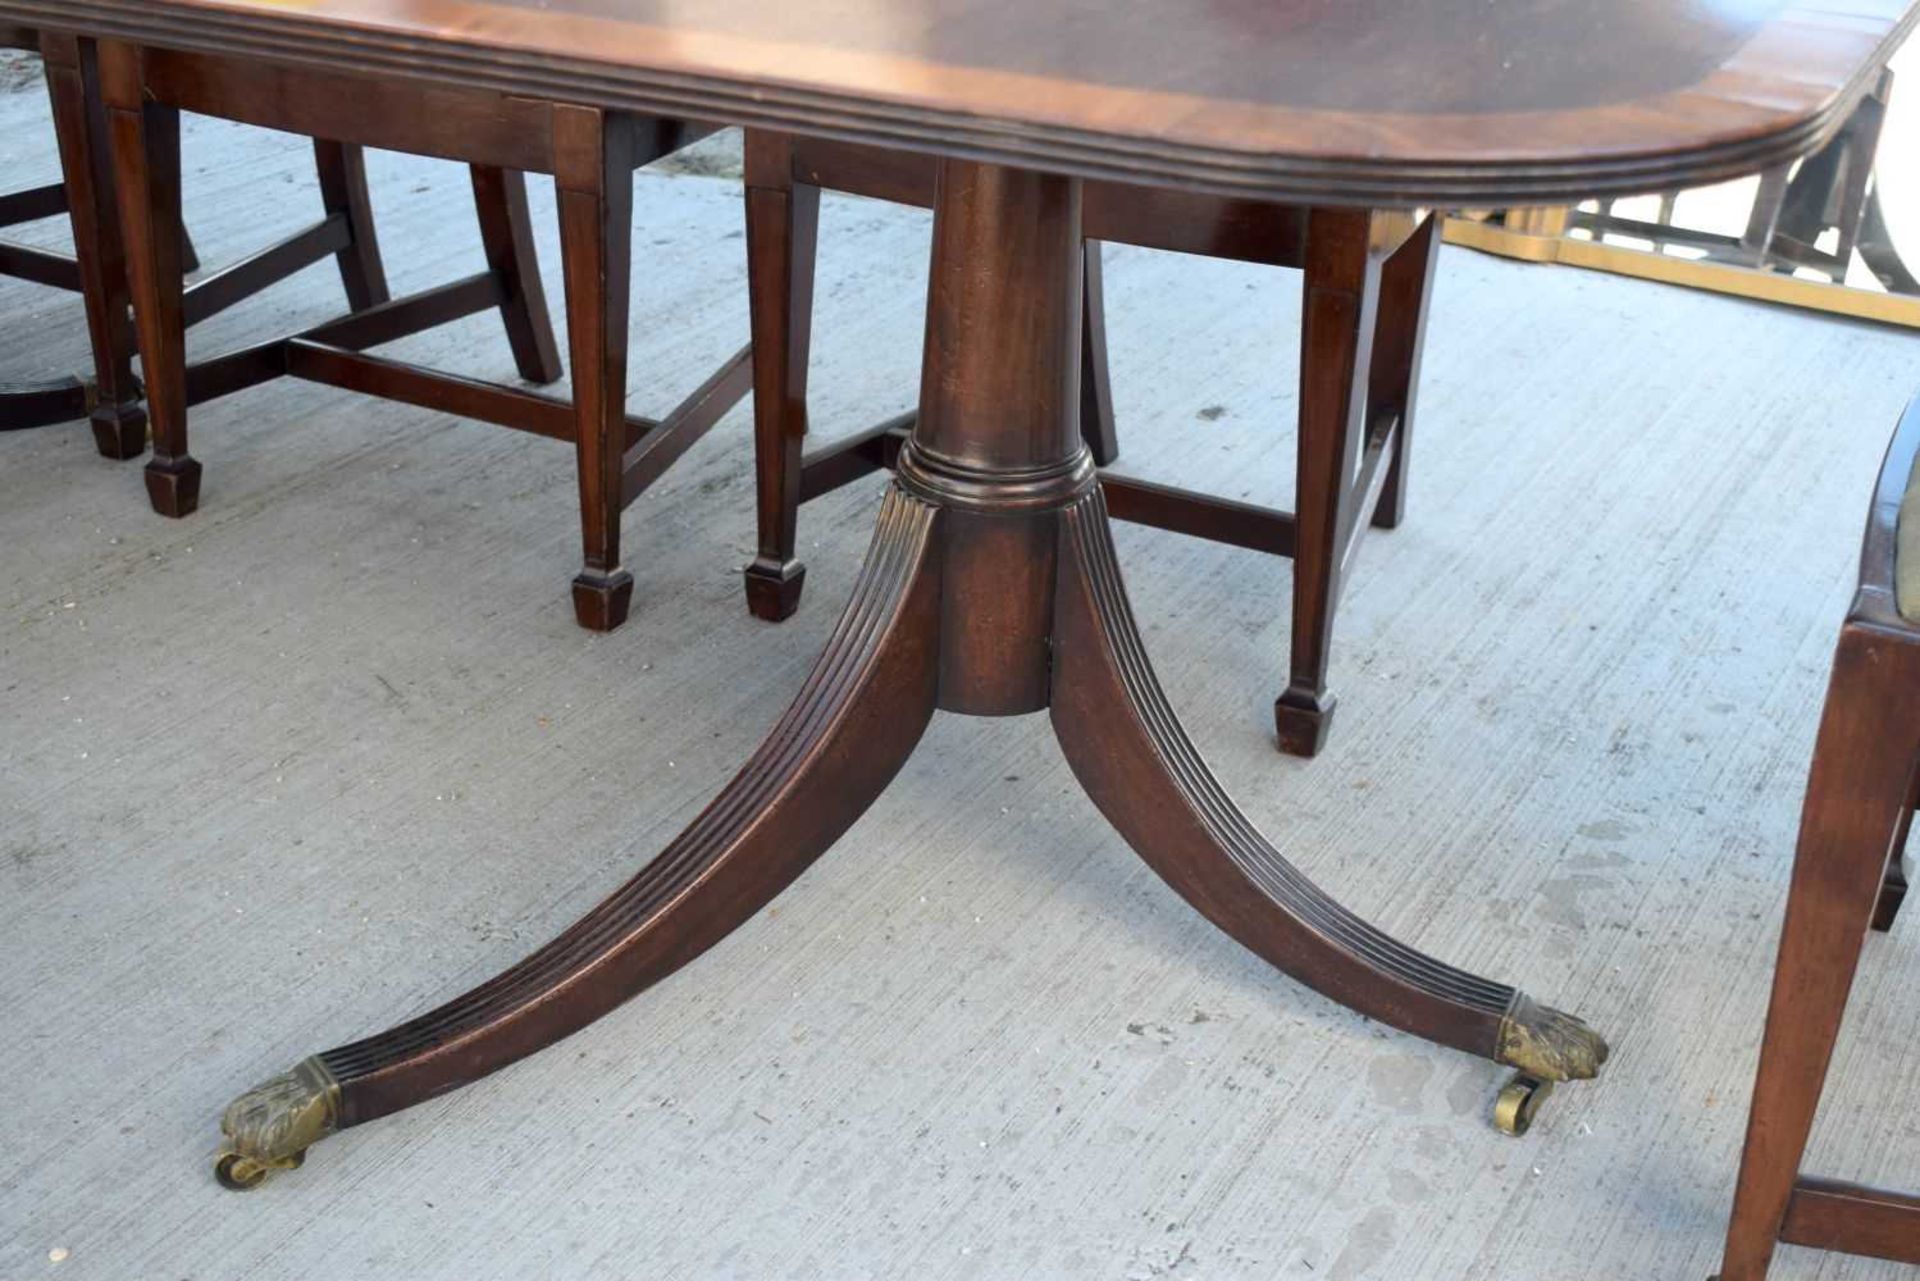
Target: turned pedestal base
x,y
991,589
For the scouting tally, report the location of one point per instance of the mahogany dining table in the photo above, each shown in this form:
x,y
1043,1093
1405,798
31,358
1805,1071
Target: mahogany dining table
x,y
991,587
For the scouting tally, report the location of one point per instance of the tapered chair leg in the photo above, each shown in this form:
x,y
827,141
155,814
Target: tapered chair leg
x,y
146,152
343,191
118,418
1862,779
1127,748
856,720
1096,387
1406,287
783,225
1341,297
506,234
594,157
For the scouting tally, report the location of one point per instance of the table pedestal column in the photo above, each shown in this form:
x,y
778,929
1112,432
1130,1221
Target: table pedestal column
x,y
991,589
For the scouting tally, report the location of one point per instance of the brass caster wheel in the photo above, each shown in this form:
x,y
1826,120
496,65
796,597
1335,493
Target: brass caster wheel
x,y
1520,1098
239,1173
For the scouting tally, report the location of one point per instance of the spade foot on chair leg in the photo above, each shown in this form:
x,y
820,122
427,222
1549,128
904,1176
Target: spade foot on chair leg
x,y
119,431
173,485
600,599
773,588
1301,718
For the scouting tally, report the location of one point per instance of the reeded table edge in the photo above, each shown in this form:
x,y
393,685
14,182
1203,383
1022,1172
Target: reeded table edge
x,y
286,37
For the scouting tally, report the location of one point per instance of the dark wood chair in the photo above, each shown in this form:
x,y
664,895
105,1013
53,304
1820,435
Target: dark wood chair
x,y
1809,215
112,398
1849,875
592,154
1368,277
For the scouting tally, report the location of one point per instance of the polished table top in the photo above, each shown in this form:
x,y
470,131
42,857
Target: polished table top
x,y
1486,102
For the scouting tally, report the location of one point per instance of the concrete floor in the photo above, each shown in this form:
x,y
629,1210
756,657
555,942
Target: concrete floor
x,y
333,749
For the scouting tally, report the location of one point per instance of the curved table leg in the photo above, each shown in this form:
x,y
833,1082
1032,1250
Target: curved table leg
x,y
853,725
1136,762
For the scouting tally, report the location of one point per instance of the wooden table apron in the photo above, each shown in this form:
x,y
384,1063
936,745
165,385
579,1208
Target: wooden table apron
x,y
992,587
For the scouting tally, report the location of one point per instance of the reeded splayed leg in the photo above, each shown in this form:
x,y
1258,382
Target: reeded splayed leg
x,y
1131,755
853,725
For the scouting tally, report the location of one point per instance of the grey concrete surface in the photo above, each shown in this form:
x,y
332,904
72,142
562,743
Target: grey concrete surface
x,y
333,749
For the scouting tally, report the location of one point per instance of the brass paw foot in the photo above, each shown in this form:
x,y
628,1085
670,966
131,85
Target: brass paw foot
x,y
1543,1042
1546,1046
271,1126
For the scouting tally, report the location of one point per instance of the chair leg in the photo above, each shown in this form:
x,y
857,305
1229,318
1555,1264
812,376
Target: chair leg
x,y
118,418
1341,296
343,190
1893,885
506,233
1406,285
783,223
146,154
1861,779
594,158
1893,892
1096,388
1764,219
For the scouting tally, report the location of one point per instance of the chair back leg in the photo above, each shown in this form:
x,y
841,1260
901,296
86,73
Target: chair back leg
x,y
1406,287
506,234
1096,388
343,190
